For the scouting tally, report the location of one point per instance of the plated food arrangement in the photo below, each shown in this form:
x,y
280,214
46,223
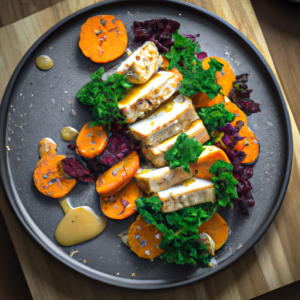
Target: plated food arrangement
x,y
169,140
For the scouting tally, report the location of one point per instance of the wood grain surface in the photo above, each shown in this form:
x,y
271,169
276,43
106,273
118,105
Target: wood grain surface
x,y
14,10
272,263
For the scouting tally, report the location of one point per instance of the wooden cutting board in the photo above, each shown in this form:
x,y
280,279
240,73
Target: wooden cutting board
x,y
272,263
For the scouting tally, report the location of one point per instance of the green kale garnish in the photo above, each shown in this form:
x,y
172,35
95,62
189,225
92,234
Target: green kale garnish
x,y
180,240
183,152
195,78
215,116
104,96
224,182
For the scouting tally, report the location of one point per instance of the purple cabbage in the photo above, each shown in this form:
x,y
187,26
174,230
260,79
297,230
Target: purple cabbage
x,y
75,169
241,173
158,31
240,95
231,134
190,36
117,148
201,55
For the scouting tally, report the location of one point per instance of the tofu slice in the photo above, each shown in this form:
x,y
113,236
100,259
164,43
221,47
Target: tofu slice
x,y
189,193
156,155
142,64
170,119
142,99
155,180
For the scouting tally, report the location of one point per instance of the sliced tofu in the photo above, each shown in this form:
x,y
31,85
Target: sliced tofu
x,y
156,155
142,99
142,64
207,158
189,193
170,119
155,180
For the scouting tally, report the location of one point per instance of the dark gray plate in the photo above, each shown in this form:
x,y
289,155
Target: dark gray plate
x,y
32,108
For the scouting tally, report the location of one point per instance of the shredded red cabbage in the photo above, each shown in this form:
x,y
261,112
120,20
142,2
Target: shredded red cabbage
x,y
240,95
75,169
158,31
231,134
190,36
118,147
95,166
201,55
241,173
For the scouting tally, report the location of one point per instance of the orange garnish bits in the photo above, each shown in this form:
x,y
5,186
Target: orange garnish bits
x,y
144,239
225,80
91,141
103,38
49,177
121,205
204,163
217,229
250,144
115,178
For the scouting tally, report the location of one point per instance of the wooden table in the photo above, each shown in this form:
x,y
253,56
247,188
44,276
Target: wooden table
x,y
272,263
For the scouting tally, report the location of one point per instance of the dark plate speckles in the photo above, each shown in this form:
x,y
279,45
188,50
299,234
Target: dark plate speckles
x,y
39,104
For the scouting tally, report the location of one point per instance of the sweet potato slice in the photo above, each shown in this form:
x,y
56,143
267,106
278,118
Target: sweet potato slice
x,y
208,157
144,239
224,78
103,38
118,176
49,177
217,229
250,145
121,205
91,141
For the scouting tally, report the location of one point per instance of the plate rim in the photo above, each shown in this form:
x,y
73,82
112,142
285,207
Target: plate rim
x,y
98,275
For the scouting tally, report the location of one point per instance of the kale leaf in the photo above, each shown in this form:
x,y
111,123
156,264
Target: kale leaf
x,y
195,78
183,152
214,117
104,96
224,182
180,240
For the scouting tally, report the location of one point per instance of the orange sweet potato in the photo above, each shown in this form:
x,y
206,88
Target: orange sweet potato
x,y
217,229
144,239
208,157
121,205
91,141
225,80
49,177
115,178
103,38
250,145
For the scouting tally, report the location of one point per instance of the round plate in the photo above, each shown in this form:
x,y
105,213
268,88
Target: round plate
x,y
39,104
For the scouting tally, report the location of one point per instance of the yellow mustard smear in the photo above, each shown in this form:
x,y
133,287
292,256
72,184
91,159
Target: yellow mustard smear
x,y
135,90
188,182
152,123
168,107
79,224
145,171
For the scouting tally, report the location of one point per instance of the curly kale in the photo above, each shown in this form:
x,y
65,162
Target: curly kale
x,y
183,152
104,97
